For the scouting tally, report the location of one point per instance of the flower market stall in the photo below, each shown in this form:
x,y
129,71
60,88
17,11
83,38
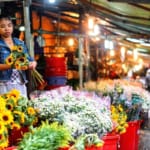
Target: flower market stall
x,y
100,117
86,116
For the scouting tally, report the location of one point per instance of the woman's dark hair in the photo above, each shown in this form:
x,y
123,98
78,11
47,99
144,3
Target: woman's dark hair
x,y
4,16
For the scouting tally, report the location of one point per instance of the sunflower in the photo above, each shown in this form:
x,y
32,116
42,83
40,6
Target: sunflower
x,y
4,143
21,59
2,128
21,65
9,106
17,66
120,108
14,94
19,49
14,48
35,121
15,126
19,116
10,60
2,104
100,144
6,117
31,111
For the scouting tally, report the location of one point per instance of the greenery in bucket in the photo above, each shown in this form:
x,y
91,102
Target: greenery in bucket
x,y
46,137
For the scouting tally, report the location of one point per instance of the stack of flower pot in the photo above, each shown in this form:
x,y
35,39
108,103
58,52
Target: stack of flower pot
x,y
55,72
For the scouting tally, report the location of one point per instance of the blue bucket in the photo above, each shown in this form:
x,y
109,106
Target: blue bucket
x,y
58,80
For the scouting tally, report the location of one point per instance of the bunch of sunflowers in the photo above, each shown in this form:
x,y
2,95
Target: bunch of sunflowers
x,y
119,118
15,112
17,59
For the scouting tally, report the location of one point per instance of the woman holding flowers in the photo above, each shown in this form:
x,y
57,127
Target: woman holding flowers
x,y
14,59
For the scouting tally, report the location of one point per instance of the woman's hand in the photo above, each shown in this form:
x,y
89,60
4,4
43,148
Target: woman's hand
x,y
32,65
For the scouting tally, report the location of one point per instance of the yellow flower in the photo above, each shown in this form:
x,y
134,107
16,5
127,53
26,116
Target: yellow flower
x,y
19,49
14,48
113,109
19,115
31,111
15,94
126,125
100,144
6,117
21,65
123,131
9,60
120,108
9,106
17,66
14,113
24,67
22,117
35,121
3,143
115,116
21,60
2,128
2,104
15,126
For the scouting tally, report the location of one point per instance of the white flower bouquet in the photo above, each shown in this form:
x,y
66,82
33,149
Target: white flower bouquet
x,y
129,87
82,112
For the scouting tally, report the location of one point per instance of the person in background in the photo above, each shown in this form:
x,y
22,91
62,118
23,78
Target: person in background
x,y
147,80
11,78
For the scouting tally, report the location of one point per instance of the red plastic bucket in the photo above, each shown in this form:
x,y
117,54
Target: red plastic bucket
x,y
51,87
111,141
55,61
55,71
55,67
17,135
130,139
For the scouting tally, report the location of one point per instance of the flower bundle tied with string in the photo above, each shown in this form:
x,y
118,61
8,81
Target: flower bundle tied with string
x,y
18,60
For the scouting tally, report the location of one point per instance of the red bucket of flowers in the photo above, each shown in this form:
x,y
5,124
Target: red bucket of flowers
x,y
111,141
17,135
129,140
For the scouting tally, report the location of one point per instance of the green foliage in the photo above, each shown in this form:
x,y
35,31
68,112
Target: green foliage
x,y
46,137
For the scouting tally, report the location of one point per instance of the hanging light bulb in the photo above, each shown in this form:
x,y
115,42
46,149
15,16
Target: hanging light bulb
x,y
106,43
111,45
112,53
70,42
90,23
96,29
135,54
52,1
122,57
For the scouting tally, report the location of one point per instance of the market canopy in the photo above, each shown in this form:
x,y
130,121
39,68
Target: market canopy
x,y
117,19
